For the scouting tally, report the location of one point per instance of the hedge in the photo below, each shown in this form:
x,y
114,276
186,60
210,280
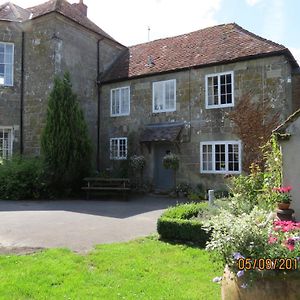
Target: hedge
x,y
176,223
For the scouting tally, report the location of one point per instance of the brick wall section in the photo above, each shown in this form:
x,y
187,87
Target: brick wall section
x,y
265,77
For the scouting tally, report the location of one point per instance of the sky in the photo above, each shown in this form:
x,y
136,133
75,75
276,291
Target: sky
x,y
128,21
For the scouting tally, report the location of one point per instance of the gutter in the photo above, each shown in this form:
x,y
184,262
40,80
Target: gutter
x,y
22,93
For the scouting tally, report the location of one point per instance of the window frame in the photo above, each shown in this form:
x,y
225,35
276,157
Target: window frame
x,y
12,64
11,147
164,99
226,143
118,157
111,101
219,105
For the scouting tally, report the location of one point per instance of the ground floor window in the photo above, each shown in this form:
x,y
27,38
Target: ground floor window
x,y
118,148
220,157
6,142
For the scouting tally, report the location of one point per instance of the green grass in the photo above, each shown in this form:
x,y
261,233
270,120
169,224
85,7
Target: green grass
x,y
141,269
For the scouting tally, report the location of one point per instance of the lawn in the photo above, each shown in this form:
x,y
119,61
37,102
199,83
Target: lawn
x,y
141,269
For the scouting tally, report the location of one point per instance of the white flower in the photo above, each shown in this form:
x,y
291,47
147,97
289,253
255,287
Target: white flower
x,y
240,273
217,279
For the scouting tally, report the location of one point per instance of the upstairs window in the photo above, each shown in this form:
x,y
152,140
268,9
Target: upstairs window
x,y
120,101
6,142
118,148
219,90
164,96
6,63
220,157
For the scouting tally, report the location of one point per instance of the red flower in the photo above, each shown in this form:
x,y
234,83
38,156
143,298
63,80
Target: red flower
x,y
290,244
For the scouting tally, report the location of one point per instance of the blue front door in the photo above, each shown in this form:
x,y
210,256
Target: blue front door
x,y
163,178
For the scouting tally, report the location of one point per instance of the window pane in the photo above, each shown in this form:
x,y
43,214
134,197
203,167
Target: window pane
x,y
125,101
169,95
233,157
158,96
207,157
220,162
212,90
6,143
6,64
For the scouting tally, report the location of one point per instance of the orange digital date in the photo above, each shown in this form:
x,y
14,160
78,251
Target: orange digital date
x,y
267,263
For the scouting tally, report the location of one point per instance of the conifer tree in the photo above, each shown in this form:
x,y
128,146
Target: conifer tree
x,y
65,143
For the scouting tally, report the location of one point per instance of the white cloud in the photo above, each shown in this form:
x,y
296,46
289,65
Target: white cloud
x,y
128,21
252,2
296,53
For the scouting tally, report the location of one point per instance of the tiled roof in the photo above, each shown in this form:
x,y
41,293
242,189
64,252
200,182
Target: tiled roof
x,y
213,45
12,12
161,132
68,10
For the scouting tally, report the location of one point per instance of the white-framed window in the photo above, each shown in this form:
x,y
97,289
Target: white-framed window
x,y
220,157
6,142
118,148
120,101
164,96
219,90
6,63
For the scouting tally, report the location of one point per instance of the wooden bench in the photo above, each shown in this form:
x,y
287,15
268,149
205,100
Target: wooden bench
x,y
96,184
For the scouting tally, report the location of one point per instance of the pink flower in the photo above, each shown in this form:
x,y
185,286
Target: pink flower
x,y
272,239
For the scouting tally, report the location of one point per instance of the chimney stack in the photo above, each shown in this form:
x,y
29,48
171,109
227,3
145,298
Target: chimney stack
x,y
81,7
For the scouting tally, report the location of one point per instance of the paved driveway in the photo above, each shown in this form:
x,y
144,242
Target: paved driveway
x,y
78,224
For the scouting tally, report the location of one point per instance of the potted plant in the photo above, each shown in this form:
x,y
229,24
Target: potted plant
x,y
283,197
261,255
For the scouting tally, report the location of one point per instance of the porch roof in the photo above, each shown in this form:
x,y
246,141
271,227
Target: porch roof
x,y
159,132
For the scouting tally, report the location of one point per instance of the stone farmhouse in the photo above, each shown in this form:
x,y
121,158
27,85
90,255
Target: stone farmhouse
x,y
168,95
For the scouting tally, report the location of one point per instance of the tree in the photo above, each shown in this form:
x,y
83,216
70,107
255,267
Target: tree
x,y
65,144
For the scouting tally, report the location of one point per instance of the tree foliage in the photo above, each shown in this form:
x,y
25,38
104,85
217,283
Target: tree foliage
x,y
65,143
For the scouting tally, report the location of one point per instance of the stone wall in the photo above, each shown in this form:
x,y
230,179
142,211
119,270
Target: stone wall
x,y
10,95
296,90
53,45
262,78
290,163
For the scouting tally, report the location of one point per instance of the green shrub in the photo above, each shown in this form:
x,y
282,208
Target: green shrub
x,y
180,223
22,178
65,141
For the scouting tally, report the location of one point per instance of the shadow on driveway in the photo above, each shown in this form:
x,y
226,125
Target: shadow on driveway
x,y
107,207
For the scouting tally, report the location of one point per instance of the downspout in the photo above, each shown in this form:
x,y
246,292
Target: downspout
x,y
99,105
22,93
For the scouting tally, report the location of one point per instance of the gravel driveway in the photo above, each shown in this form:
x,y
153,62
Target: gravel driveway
x,y
76,224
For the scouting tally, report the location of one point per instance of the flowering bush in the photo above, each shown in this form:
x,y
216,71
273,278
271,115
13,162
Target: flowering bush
x,y
284,238
243,234
283,194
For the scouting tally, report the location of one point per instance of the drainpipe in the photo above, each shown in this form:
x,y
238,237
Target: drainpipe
x,y
22,93
99,105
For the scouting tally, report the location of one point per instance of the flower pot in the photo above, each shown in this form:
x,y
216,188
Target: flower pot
x,y
283,205
271,285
